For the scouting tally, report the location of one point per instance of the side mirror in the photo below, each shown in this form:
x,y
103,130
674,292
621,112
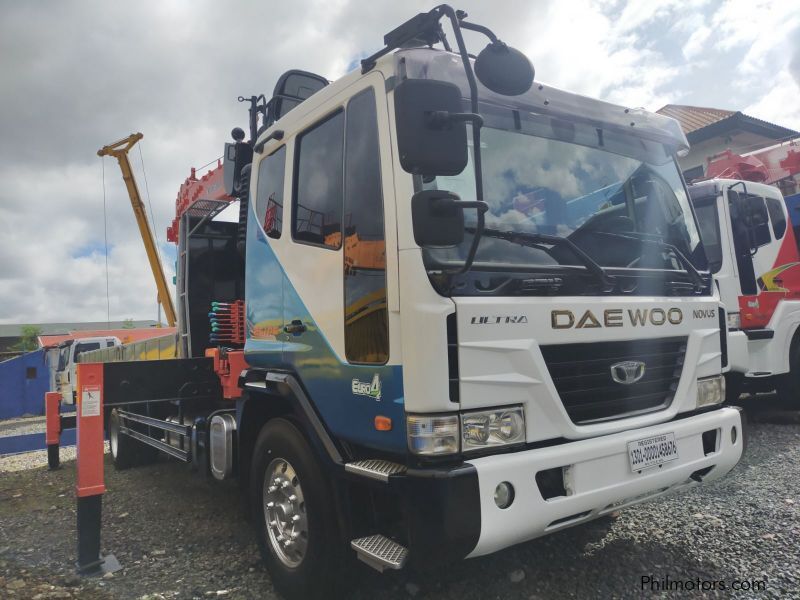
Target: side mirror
x,y
504,70
429,144
438,218
235,157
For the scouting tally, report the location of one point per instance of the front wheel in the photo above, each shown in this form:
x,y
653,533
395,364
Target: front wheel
x,y
734,385
295,515
788,386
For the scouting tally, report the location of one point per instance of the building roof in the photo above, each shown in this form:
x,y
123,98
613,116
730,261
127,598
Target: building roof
x,y
15,330
700,123
125,335
693,118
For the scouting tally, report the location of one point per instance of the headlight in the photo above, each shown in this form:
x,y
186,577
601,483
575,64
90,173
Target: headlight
x,y
492,428
432,435
734,321
710,391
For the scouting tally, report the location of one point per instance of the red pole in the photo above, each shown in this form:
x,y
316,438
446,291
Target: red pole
x,y
90,430
52,436
89,486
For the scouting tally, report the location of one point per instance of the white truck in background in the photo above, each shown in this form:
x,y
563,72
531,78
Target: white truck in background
x,y
753,253
68,353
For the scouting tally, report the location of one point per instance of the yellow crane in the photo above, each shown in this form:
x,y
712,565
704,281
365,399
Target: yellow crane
x,y
119,150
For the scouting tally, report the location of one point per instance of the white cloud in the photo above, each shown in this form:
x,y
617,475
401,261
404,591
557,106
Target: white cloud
x,y
780,104
696,44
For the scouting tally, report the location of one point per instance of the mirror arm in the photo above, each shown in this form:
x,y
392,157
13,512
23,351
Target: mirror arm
x,y
481,29
743,184
481,207
455,21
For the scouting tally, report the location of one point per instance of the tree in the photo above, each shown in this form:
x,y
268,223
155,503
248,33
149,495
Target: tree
x,y
128,324
28,338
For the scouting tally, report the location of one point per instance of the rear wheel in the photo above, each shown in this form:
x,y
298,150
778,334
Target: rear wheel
x,y
127,452
295,515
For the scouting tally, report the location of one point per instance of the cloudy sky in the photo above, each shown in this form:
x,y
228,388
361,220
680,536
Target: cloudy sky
x,y
78,75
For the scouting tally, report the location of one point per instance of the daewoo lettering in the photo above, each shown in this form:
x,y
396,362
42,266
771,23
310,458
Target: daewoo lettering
x,y
615,317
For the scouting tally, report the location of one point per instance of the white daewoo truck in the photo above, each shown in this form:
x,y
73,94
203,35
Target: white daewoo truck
x,y
460,310
752,251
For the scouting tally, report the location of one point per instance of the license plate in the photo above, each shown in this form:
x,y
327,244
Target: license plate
x,y
652,451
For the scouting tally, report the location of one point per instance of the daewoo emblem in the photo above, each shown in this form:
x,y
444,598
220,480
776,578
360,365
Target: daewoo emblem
x,y
627,372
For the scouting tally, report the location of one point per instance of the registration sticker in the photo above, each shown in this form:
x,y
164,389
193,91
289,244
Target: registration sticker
x,y
652,451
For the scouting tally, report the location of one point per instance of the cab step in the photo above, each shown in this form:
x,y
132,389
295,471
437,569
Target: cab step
x,y
379,552
375,468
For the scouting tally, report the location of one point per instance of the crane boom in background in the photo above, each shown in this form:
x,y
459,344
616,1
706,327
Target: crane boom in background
x,y
119,150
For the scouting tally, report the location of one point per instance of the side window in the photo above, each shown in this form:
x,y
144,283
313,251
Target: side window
x,y
269,195
694,173
366,329
317,203
777,217
758,220
86,347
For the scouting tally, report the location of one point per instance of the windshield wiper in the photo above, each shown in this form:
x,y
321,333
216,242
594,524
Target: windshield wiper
x,y
691,271
534,240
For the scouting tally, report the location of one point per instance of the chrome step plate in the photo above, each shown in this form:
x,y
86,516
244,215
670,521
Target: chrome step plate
x,y
375,468
379,552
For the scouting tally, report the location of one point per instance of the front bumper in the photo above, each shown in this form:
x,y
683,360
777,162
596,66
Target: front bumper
x,y
452,514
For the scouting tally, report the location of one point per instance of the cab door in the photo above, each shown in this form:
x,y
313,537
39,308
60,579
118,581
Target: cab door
x,y
339,264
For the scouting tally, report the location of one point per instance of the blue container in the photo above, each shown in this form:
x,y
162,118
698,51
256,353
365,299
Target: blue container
x,y
24,380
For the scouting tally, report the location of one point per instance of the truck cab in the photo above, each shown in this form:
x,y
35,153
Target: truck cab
x,y
507,365
68,353
752,250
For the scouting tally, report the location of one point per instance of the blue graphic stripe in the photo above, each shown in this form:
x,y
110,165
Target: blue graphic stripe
x,y
272,301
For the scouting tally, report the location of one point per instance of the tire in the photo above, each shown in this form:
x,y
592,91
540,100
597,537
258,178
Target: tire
x,y
788,385
127,452
300,508
734,386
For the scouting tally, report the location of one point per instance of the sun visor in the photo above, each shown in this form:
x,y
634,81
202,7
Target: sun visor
x,y
426,63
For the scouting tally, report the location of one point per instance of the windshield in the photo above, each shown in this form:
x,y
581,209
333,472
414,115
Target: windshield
x,y
63,354
85,347
601,190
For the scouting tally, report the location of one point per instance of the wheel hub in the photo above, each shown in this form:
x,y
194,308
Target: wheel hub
x,y
285,513
113,439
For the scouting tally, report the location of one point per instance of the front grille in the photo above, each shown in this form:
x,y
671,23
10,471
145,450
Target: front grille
x,y
583,378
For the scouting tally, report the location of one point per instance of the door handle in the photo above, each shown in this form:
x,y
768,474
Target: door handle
x,y
296,327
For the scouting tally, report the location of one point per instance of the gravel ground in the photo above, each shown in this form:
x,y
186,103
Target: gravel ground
x,y
187,538
32,460
22,425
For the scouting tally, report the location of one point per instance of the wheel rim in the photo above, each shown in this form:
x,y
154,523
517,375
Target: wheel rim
x,y
113,435
285,513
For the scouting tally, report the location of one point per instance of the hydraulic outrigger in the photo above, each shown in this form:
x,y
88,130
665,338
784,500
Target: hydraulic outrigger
x,y
119,150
